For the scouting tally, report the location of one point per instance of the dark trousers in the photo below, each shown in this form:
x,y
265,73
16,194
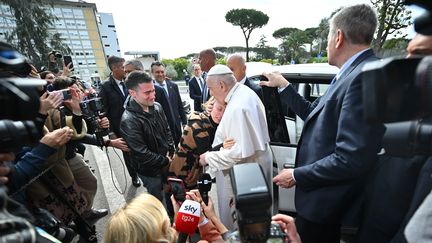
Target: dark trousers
x,y
129,166
311,232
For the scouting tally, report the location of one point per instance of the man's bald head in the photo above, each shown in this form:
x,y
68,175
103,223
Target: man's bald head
x,y
237,64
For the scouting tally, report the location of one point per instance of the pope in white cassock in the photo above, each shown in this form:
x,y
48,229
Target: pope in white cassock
x,y
244,120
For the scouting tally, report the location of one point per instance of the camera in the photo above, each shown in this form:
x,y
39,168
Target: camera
x,y
397,92
64,93
252,202
20,101
57,54
92,109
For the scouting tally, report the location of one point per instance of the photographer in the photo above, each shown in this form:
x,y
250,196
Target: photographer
x,y
399,184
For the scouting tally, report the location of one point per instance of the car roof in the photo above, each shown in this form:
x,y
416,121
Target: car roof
x,y
318,71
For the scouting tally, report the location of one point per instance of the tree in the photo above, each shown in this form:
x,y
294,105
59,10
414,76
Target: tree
x,y
31,33
322,33
263,51
312,35
248,20
392,17
294,42
283,32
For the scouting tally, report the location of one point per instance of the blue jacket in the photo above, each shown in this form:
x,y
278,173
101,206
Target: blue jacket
x,y
337,147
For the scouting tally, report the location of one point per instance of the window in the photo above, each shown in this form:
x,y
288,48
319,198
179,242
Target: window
x,y
80,24
70,24
78,13
111,26
67,12
59,24
58,12
86,44
83,34
73,34
104,36
107,45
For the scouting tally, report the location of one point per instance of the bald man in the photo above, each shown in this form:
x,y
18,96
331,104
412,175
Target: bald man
x,y
237,64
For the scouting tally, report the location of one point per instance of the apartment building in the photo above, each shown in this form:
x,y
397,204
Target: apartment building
x,y
78,24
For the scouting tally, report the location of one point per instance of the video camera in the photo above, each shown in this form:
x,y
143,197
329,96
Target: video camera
x,y
92,109
253,206
20,101
399,91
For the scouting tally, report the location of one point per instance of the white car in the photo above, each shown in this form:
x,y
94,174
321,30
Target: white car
x,y
311,81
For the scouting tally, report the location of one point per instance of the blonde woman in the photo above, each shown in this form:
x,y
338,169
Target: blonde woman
x,y
144,219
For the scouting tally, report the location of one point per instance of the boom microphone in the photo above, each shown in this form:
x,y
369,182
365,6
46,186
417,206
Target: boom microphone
x,y
204,186
187,219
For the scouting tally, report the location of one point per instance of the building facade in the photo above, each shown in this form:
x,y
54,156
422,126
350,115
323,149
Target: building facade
x,y
109,34
77,22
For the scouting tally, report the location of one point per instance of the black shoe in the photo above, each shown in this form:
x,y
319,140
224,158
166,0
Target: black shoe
x,y
136,182
95,214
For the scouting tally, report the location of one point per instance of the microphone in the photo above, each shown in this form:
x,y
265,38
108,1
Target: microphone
x,y
204,186
187,219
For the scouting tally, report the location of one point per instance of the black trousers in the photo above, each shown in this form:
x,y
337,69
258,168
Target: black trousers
x,y
129,166
311,232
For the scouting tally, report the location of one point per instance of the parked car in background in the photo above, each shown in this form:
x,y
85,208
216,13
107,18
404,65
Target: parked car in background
x,y
311,81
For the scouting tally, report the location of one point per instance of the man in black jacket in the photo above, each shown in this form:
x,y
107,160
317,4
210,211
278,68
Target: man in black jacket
x,y
171,91
113,93
146,131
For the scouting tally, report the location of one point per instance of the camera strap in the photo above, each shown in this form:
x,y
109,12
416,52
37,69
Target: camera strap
x,y
62,124
32,180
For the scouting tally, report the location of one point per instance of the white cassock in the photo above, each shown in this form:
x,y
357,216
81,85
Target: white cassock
x,y
244,120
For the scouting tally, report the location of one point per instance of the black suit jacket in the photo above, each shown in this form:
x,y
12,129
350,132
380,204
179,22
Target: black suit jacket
x,y
255,87
195,93
337,147
173,106
113,101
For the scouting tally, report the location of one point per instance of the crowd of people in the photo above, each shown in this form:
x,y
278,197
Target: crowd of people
x,y
338,169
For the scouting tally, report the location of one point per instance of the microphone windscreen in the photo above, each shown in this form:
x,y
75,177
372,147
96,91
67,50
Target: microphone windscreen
x,y
188,217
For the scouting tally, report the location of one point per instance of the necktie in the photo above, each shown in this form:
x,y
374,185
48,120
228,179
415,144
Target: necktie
x,y
163,85
125,90
201,83
204,88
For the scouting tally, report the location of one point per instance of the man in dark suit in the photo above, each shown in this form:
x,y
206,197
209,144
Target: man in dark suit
x,y
207,59
175,106
196,84
237,64
338,147
113,93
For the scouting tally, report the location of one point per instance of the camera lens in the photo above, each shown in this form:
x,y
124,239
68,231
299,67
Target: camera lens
x,y
16,134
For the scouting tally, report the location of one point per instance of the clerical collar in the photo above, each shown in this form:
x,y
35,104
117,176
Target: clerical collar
x,y
243,80
231,92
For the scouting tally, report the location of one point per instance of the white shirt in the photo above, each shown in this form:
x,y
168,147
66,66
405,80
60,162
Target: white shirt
x,y
120,86
163,85
200,81
243,80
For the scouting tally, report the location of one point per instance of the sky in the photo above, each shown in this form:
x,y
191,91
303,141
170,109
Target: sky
x,y
177,28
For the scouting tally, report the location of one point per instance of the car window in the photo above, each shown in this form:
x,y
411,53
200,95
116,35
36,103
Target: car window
x,y
283,124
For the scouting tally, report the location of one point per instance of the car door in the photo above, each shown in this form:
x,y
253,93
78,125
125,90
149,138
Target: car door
x,y
285,127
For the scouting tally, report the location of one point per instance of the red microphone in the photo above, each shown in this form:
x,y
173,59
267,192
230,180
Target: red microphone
x,y
187,219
